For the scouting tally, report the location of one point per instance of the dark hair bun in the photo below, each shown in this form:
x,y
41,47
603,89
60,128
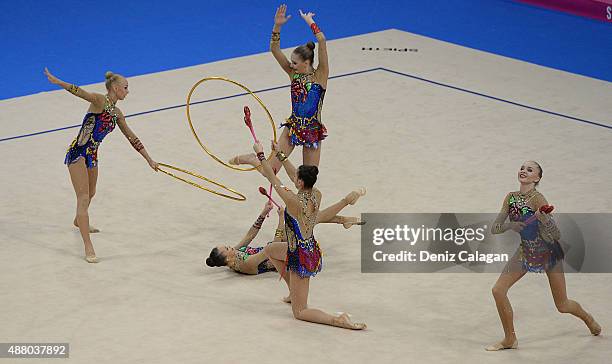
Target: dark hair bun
x,y
216,259
310,46
308,174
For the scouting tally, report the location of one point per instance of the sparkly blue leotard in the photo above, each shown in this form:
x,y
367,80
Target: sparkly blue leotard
x,y
303,251
93,130
305,127
538,252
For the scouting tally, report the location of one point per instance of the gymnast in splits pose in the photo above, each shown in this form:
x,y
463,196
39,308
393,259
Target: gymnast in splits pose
x,y
539,252
82,155
299,257
243,258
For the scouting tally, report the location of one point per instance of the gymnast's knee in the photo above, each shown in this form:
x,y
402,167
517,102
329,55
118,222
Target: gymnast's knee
x,y
499,291
82,202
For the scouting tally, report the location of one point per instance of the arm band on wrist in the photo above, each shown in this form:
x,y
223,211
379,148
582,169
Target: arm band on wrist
x,y
261,156
281,156
136,144
257,224
497,229
315,28
275,37
73,89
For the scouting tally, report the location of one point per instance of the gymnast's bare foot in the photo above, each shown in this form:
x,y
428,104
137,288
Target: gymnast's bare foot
x,y
91,259
348,222
345,322
593,325
245,159
503,345
352,197
90,254
92,230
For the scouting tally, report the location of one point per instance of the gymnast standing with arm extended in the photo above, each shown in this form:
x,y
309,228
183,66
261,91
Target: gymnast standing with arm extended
x,y
82,156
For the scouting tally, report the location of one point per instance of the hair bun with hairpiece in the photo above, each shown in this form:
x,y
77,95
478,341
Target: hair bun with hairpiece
x,y
310,45
108,75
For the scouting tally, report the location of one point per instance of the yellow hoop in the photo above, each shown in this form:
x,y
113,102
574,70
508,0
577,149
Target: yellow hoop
x,y
241,198
196,135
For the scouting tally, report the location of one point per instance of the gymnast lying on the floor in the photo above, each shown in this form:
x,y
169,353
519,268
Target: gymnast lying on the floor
x,y
248,260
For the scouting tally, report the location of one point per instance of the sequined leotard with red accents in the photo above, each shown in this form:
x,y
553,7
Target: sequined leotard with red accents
x,y
305,127
244,253
540,250
303,251
95,127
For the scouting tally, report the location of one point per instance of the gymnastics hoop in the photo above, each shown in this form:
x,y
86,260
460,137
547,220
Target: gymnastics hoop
x,y
241,198
188,105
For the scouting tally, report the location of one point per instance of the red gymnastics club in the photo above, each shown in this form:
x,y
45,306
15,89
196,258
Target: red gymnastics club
x,y
247,121
265,193
546,209
270,193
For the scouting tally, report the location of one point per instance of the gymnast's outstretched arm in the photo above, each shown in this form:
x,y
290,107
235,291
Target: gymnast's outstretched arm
x,y
251,264
279,20
290,198
256,227
322,71
94,98
286,163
